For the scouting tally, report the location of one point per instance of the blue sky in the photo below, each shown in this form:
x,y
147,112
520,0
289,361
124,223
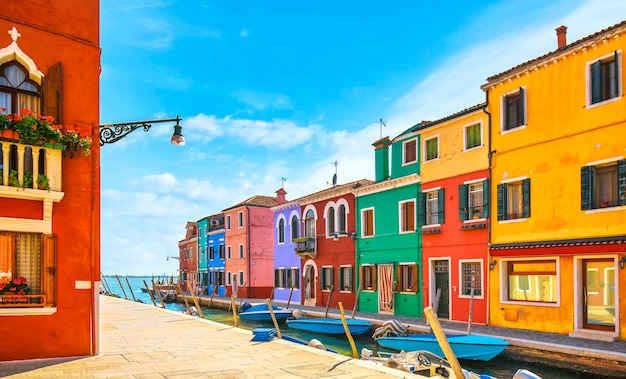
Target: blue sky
x,y
282,89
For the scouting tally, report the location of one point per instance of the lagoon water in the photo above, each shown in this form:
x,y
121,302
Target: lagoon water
x,y
499,367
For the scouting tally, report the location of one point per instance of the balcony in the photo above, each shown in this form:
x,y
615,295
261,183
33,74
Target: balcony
x,y
305,247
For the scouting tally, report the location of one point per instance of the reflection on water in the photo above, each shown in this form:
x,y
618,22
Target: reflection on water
x,y
498,367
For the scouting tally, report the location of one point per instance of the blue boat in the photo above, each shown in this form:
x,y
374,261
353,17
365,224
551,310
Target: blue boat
x,y
468,347
261,312
329,325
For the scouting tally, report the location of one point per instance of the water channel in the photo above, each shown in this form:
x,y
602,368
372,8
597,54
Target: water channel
x,y
498,367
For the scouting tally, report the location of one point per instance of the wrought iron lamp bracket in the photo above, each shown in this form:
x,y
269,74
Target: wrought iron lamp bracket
x,y
111,133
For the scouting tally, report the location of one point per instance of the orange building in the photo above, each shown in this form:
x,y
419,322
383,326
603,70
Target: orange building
x,y
50,237
188,258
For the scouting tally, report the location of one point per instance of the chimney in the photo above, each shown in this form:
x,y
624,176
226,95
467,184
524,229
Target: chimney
x,y
280,196
381,158
561,36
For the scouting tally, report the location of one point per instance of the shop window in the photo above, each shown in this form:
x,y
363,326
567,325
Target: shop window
x,y
533,281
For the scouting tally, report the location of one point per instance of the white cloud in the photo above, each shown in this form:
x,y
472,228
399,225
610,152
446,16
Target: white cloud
x,y
262,101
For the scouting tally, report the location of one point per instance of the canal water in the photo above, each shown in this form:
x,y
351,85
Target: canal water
x,y
498,367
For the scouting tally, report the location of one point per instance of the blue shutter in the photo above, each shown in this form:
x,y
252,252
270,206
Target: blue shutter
x,y
596,82
463,203
621,182
441,203
486,193
587,174
421,213
521,115
502,202
526,198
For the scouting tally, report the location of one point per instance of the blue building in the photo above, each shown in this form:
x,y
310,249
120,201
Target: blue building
x,y
216,252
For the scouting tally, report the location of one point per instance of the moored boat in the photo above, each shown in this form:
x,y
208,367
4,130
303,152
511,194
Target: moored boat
x,y
328,325
261,312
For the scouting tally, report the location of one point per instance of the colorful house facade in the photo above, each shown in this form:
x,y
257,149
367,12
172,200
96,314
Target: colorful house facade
x,y
452,213
249,233
188,257
326,245
287,265
50,237
216,245
388,254
559,188
203,254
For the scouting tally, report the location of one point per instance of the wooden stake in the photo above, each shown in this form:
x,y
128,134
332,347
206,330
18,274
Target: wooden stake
x,y
330,294
433,321
184,297
130,289
212,294
106,285
355,354
149,293
121,286
356,299
471,308
234,307
158,294
269,306
195,301
289,300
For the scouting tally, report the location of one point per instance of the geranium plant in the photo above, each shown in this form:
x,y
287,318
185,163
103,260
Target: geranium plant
x,y
17,286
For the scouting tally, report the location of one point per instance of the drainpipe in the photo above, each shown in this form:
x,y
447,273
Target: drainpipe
x,y
489,220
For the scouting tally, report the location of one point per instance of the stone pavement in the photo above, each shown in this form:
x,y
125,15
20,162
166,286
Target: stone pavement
x,y
143,341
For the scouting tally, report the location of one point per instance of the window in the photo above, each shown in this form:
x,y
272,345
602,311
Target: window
x,y
513,113
229,255
407,216
532,281
221,251
473,136
309,224
432,207
345,278
473,200
330,222
220,278
367,222
240,220
326,279
407,278
228,222
229,280
409,149
17,90
431,148
368,277
211,252
471,277
603,185
279,277
342,219
292,278
604,77
281,231
25,254
240,251
241,281
514,200
294,227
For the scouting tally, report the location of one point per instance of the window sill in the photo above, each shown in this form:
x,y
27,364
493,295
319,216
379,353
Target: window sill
x,y
407,293
512,220
30,311
409,163
469,297
531,303
515,129
607,209
600,103
345,291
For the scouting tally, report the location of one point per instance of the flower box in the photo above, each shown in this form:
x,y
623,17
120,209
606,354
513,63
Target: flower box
x,y
14,301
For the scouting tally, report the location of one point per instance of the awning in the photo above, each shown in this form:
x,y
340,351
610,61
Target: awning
x,y
601,245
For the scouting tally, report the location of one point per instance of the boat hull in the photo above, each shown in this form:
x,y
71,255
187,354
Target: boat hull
x,y
468,347
329,325
261,312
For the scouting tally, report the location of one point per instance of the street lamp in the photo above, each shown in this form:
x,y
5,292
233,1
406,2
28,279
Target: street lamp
x,y
111,133
177,258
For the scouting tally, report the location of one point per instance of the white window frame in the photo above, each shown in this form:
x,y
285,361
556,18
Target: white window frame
x,y
481,277
467,126
241,278
436,200
589,84
242,252
404,160
401,216
240,219
503,111
229,252
436,136
363,222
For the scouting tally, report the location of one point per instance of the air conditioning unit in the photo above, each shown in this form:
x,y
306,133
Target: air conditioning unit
x,y
215,222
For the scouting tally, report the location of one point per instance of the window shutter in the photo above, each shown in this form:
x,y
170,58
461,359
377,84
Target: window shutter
x,y
276,277
7,255
616,74
502,202
52,86
374,280
596,82
441,202
48,282
586,187
526,198
415,281
421,206
350,279
486,192
621,182
322,278
521,114
398,278
463,203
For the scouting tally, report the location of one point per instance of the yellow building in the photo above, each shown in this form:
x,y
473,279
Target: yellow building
x,y
558,186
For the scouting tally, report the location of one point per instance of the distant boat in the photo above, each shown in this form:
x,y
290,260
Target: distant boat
x,y
464,346
261,312
329,325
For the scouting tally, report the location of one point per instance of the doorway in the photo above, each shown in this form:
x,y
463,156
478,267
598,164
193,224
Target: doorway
x,y
385,288
441,270
309,285
598,294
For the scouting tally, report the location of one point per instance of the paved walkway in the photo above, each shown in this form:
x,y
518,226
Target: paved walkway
x,y
143,341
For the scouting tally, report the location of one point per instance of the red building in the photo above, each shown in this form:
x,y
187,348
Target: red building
x,y
50,64
188,257
327,247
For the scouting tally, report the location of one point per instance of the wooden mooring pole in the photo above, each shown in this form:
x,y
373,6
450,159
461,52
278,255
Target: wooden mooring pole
x,y
149,293
195,301
121,286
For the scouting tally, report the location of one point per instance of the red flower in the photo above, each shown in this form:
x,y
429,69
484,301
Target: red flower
x,y
2,285
12,289
50,119
25,111
19,280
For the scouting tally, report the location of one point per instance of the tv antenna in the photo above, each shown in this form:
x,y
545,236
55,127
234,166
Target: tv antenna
x,y
283,182
335,163
381,124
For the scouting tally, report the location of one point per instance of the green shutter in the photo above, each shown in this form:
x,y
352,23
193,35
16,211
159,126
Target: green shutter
x,y
616,74
587,174
526,198
486,193
441,203
502,203
322,278
276,272
505,102
350,279
596,82
521,115
463,203
621,182
421,213
332,278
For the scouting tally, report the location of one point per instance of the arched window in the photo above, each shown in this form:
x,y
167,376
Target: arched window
x,y
281,230
309,224
342,219
294,227
17,91
330,221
